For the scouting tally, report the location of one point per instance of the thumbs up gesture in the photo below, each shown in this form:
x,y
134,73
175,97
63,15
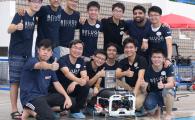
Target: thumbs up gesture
x,y
129,73
101,73
54,65
160,84
20,25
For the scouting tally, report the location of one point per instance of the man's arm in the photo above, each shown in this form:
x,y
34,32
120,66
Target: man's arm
x,y
169,47
170,83
138,83
60,89
69,75
95,78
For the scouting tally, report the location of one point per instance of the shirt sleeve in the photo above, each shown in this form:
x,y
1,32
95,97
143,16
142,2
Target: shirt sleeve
x,y
121,64
62,62
29,65
170,71
143,63
167,33
102,25
78,23
54,76
83,65
41,12
17,18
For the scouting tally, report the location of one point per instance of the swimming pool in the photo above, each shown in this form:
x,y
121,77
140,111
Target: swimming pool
x,y
186,118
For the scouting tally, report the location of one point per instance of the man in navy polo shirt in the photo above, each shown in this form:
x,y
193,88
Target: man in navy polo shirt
x,y
21,29
69,22
158,35
36,77
132,69
159,84
73,76
114,27
89,31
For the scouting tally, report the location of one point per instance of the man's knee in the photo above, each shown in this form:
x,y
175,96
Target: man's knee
x,y
140,98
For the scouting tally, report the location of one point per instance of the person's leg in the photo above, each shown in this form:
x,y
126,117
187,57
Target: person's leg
x,y
42,108
15,68
168,97
151,103
140,98
27,112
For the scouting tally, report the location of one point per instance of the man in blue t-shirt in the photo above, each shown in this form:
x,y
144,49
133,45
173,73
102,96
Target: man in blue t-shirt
x,y
138,27
21,29
159,82
73,77
158,35
132,69
36,77
89,31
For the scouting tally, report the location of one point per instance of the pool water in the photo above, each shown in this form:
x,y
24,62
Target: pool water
x,y
186,118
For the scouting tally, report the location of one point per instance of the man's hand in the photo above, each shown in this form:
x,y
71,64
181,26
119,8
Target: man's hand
x,y
20,25
54,65
167,63
82,20
71,87
101,73
67,102
160,85
82,82
129,73
144,46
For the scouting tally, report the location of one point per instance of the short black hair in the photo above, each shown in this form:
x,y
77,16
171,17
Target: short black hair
x,y
139,7
93,4
129,40
74,42
155,9
119,5
158,51
112,44
47,43
100,51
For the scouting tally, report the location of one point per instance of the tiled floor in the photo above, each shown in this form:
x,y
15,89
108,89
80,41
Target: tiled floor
x,y
185,106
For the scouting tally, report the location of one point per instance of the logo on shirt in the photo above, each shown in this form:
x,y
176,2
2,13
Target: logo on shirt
x,y
78,66
47,77
158,33
136,65
68,23
97,25
122,32
163,73
53,18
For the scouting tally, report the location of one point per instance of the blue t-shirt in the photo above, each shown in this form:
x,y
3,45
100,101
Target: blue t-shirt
x,y
157,39
153,77
48,24
89,35
34,82
68,25
137,33
138,64
73,68
21,41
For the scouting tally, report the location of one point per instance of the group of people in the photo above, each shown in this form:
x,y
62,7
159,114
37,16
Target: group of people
x,y
53,81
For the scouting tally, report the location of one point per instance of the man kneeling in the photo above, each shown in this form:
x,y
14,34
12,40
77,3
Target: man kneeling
x,y
160,83
37,75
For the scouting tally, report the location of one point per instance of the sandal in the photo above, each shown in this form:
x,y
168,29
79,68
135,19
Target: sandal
x,y
16,115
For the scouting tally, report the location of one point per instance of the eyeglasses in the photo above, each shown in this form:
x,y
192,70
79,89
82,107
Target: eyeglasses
x,y
100,58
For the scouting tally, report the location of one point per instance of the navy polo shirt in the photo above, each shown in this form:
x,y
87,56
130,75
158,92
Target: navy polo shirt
x,y
113,33
138,64
73,68
34,82
157,39
48,24
137,33
153,77
21,41
89,35
68,25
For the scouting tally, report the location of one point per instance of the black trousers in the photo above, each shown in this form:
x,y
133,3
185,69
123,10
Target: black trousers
x,y
42,105
79,94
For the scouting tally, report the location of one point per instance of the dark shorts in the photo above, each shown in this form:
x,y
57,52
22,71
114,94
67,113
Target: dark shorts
x,y
16,64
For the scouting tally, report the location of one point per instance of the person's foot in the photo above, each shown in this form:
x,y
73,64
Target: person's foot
x,y
168,116
79,115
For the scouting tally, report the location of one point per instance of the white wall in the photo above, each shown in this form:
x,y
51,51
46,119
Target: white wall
x,y
7,11
168,7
